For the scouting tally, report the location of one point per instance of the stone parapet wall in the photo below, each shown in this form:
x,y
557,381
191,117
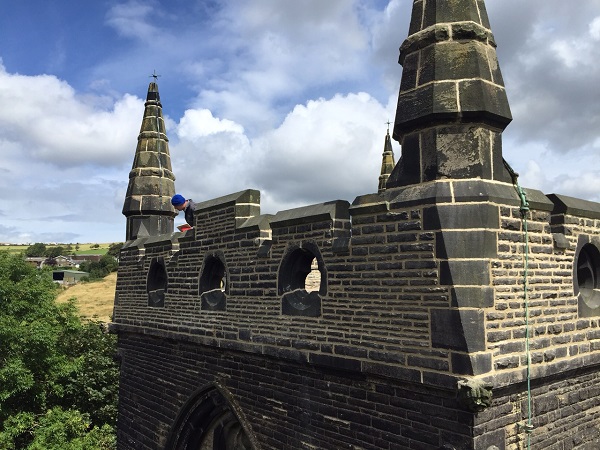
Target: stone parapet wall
x,y
374,301
431,289
560,338
420,289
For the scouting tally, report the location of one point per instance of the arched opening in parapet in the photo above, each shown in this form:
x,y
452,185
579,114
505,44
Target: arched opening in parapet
x,y
156,283
302,280
208,421
587,280
214,283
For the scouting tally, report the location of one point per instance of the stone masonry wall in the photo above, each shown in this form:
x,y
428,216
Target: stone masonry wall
x,y
560,339
289,405
421,289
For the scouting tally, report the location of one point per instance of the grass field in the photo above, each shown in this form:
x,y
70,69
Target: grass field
x,y
87,249
94,299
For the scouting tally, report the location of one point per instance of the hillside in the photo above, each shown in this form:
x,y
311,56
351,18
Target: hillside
x,y
93,299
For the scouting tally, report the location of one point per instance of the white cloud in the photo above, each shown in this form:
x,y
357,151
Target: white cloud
x,y
199,123
130,19
54,124
278,50
595,29
324,150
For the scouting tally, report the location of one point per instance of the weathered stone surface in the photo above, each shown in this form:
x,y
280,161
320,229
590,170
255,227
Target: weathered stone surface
x,y
150,176
466,244
471,364
472,296
467,216
451,78
454,61
465,272
461,330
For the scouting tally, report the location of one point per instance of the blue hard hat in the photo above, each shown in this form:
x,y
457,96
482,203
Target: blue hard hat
x,y
177,200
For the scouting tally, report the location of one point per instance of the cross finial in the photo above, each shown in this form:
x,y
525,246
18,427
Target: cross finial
x,y
388,124
154,75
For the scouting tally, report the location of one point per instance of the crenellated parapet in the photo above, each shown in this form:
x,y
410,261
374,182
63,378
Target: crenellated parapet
x,y
428,265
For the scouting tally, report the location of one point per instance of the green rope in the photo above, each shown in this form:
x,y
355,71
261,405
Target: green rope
x,y
524,210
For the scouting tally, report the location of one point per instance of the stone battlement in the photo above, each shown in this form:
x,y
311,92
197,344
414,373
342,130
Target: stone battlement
x,y
397,278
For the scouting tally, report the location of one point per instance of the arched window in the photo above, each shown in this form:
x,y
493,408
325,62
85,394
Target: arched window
x,y
208,422
156,283
302,280
214,284
587,280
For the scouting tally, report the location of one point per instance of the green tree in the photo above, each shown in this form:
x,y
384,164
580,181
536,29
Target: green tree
x,y
99,269
58,377
53,252
114,249
57,429
36,250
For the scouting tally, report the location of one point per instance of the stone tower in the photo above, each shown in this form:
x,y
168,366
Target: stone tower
x,y
151,181
452,106
387,162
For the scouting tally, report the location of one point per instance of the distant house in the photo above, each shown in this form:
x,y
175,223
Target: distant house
x,y
62,261
68,276
36,261
65,261
81,258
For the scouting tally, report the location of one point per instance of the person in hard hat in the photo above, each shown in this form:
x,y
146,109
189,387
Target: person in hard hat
x,y
180,203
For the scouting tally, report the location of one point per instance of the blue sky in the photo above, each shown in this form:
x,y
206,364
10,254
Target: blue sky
x,y
285,96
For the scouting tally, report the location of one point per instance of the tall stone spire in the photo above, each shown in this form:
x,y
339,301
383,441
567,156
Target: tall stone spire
x,y
452,105
387,162
151,181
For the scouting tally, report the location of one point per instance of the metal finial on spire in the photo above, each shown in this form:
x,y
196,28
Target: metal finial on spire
x,y
388,124
154,75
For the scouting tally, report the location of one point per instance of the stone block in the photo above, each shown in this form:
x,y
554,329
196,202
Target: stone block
x,y
328,211
485,102
472,296
466,244
574,206
474,364
459,151
301,303
408,169
443,11
420,194
416,17
454,61
213,300
461,330
483,190
492,440
392,371
427,104
409,73
456,216
475,272
335,362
